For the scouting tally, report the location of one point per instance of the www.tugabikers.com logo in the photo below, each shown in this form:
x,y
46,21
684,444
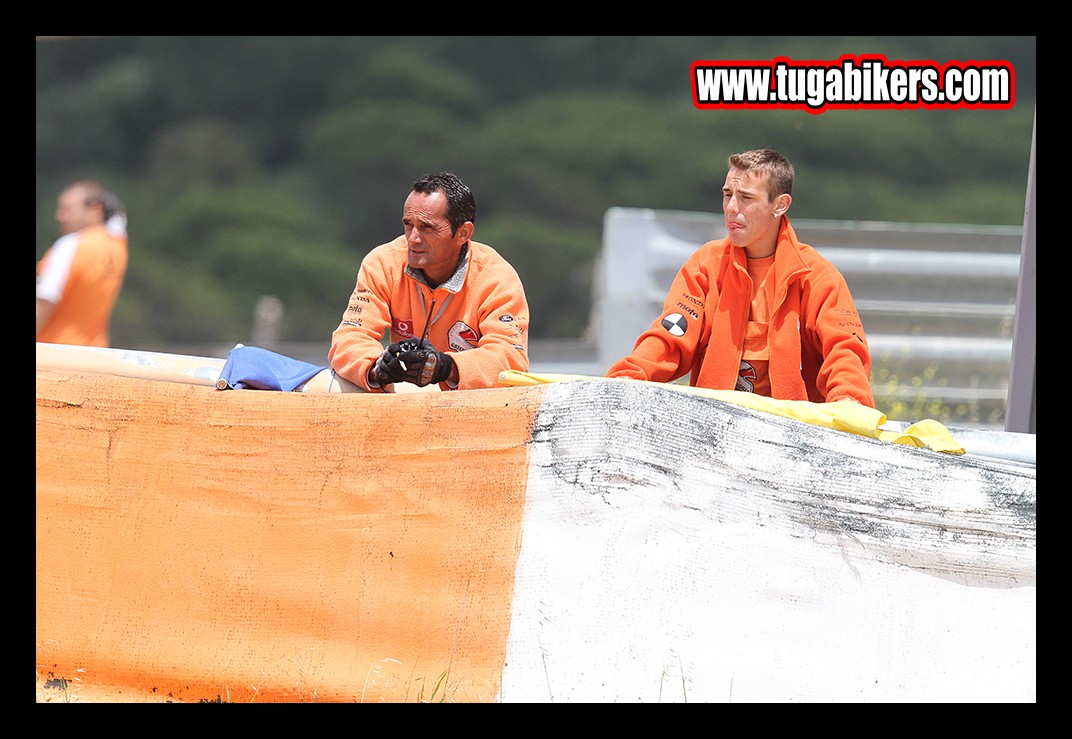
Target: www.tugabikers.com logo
x,y
868,81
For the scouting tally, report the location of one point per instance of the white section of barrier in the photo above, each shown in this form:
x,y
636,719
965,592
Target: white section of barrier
x,y
181,368
142,365
678,549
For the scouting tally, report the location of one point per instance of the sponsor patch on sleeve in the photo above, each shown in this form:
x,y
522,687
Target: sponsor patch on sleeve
x,y
675,324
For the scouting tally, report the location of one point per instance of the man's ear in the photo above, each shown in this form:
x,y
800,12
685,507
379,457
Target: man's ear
x,y
782,203
464,232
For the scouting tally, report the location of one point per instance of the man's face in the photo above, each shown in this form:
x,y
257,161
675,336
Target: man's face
x,y
432,247
748,209
72,213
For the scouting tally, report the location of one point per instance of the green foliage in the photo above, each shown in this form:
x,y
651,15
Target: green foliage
x,y
366,156
199,152
214,251
573,156
260,165
555,265
404,73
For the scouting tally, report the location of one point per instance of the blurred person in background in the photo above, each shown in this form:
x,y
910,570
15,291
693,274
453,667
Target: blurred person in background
x,y
455,309
81,275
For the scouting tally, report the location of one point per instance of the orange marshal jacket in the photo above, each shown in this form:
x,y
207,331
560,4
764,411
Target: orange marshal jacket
x,y
818,350
480,316
83,273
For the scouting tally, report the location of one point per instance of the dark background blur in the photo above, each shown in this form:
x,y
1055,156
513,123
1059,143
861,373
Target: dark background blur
x,y
269,165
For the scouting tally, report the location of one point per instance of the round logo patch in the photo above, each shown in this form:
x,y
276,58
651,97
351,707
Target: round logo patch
x,y
462,337
675,324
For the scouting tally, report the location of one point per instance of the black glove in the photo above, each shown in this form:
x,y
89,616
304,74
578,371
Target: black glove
x,y
412,361
388,368
425,365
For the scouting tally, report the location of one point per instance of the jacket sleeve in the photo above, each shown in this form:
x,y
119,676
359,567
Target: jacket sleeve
x,y
357,342
667,350
502,314
835,331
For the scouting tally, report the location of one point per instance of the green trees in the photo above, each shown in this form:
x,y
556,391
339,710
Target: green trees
x,y
270,165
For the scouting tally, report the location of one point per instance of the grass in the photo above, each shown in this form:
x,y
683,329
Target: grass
x,y
913,394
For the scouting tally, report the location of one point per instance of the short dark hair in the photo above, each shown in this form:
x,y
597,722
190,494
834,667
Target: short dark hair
x,y
769,162
461,205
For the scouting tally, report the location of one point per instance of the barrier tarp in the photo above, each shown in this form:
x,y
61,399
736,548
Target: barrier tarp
x,y
589,541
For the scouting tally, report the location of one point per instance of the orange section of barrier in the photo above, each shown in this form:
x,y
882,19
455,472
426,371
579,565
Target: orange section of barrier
x,y
246,546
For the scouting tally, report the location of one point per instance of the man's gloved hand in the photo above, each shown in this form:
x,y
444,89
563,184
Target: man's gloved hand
x,y
412,361
388,368
425,365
